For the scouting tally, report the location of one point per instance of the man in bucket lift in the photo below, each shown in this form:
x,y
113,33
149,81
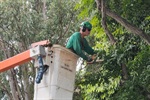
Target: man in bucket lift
x,y
77,43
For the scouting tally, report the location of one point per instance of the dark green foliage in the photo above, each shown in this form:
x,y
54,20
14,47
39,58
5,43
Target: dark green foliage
x,y
102,81
105,81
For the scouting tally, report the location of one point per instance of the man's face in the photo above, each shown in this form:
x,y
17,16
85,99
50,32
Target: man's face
x,y
87,32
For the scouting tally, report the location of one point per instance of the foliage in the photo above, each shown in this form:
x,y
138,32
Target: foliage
x,y
104,81
138,84
127,9
61,21
23,22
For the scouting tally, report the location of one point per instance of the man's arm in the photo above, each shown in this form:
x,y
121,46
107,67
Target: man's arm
x,y
77,46
87,48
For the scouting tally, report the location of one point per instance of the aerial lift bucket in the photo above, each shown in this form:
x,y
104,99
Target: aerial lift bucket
x,y
58,81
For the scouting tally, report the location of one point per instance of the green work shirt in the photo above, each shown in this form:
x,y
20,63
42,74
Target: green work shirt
x,y
76,43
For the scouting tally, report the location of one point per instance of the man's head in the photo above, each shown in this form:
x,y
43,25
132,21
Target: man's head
x,y
85,28
86,25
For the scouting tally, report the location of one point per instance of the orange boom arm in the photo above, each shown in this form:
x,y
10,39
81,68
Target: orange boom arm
x,y
19,58
15,60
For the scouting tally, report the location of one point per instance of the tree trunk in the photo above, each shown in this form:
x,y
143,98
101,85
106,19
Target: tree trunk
x,y
12,80
104,25
12,85
10,73
125,23
124,71
26,82
4,88
24,74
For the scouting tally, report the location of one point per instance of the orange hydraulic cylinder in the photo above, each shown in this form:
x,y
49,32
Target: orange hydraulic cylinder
x,y
15,60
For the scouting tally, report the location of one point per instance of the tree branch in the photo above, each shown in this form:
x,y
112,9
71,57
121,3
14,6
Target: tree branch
x,y
124,71
125,23
5,90
104,25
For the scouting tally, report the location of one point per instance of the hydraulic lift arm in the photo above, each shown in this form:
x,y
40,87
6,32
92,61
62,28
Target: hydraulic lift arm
x,y
24,56
15,60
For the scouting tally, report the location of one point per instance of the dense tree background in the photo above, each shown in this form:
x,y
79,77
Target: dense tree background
x,y
120,35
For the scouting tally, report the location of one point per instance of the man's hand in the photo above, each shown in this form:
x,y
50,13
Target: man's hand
x,y
94,56
94,59
91,59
